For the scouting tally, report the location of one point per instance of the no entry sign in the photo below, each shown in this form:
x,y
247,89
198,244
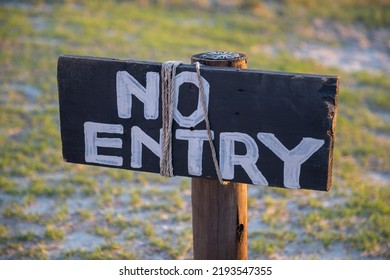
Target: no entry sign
x,y
269,128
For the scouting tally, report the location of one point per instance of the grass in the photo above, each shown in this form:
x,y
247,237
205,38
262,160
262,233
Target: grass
x,y
3,232
37,252
27,236
141,215
104,231
54,233
373,14
85,215
109,251
17,212
117,220
270,242
39,187
276,211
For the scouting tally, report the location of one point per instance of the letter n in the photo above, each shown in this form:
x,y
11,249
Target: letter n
x,y
126,86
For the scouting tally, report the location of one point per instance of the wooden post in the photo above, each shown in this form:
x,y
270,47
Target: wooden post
x,y
219,212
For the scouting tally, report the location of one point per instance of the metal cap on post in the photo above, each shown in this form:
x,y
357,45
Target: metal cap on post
x,y
221,59
219,213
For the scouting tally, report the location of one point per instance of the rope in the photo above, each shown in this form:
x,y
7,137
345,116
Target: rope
x,y
206,119
168,76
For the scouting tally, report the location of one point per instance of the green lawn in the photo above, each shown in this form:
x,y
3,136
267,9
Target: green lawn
x,y
50,209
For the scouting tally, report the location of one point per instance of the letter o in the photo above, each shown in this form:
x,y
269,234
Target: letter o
x,y
197,116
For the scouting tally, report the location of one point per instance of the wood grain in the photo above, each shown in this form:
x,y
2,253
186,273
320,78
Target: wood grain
x,y
219,219
219,212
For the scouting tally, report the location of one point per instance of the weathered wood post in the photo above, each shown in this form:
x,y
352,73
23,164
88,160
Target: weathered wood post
x,y
219,212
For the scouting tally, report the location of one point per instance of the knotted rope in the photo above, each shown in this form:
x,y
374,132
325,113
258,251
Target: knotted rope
x,y
208,129
168,76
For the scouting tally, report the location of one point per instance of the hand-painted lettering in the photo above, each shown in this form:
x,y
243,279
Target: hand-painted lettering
x,y
139,138
195,140
197,116
92,142
126,86
292,159
228,158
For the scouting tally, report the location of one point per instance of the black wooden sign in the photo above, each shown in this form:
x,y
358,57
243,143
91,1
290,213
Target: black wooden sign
x,y
269,128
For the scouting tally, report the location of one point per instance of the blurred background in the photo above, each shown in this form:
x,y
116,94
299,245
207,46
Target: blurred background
x,y
53,210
